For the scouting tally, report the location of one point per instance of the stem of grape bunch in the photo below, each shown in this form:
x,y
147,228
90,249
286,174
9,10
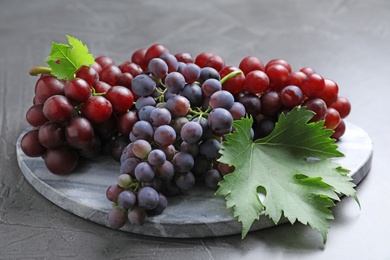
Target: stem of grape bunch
x,y
37,70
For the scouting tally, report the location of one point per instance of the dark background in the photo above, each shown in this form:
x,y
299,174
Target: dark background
x,y
347,41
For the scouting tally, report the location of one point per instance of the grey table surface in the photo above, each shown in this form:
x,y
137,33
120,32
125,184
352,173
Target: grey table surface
x,y
347,41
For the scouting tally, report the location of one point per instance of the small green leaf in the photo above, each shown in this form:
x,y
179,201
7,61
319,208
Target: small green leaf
x,y
65,60
278,165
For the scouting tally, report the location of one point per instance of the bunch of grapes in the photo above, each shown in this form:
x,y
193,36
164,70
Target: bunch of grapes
x,y
163,117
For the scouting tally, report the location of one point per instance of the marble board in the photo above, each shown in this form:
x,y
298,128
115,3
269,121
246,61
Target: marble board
x,y
197,213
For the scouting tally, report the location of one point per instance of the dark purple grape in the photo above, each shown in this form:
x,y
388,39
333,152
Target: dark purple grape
x,y
185,180
116,217
174,82
143,85
210,148
147,198
158,67
126,199
164,135
191,132
137,216
222,99
157,158
211,178
144,172
183,162
220,121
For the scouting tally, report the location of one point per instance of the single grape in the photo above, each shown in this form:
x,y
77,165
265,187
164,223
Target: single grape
x,y
110,74
204,123
233,85
318,106
193,92
271,103
142,130
208,73
116,217
120,98
185,181
128,166
339,130
330,93
158,67
278,76
160,116
101,87
238,111
295,78
220,120
191,72
191,148
251,102
166,171
160,207
215,62
131,67
61,160
143,85
47,87
191,132
97,109
141,148
313,86
147,198
251,63
77,90
174,82
222,99
212,178
96,66
279,62
332,118
183,162
184,57
157,158
58,109
124,181
138,57
343,106
256,82
137,216
202,58
89,74
144,113
210,148
171,61
126,199
144,172
104,61
177,123
92,149
179,106
79,132
35,116
113,192
164,135
145,101
264,128
291,96
307,70
30,144
51,134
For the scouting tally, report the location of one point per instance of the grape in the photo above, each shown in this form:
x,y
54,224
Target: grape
x,y
184,57
104,61
318,106
157,158
161,205
92,149
307,70
144,113
343,106
185,181
171,61
116,217
126,121
210,148
313,86
202,58
147,198
193,93
339,130
191,148
51,134
164,135
113,192
271,103
332,118
160,116
278,76
177,124
77,90
178,106
89,74
166,171
30,144
329,95
291,96
120,98
126,199
101,87
208,73
96,66
256,82
97,109
138,57
174,82
142,130
183,162
251,63
201,165
145,101
191,72
191,132
220,120
215,62
233,85
169,151
222,99
128,166
35,116
280,62
137,216
47,87
143,85
130,67
295,78
264,128
79,132
238,111
141,148
211,179
110,74
58,109
158,67
124,181
61,160
144,172
154,51
251,102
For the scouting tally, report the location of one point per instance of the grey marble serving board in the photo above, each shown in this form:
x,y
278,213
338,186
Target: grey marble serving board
x,y
198,213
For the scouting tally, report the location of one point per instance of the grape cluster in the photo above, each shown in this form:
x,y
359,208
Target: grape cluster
x,y
164,118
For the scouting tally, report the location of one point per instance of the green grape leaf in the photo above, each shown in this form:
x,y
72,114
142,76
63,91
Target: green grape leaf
x,y
292,167
64,60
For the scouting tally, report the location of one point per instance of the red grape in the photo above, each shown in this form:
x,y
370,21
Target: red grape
x,y
48,86
77,90
233,85
251,63
313,86
30,144
58,109
97,109
89,74
332,118
278,76
256,82
120,98
343,106
62,160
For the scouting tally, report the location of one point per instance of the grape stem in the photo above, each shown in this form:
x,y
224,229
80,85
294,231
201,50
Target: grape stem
x,y
37,70
230,75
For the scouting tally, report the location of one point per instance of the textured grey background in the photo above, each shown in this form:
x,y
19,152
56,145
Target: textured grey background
x,y
347,41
